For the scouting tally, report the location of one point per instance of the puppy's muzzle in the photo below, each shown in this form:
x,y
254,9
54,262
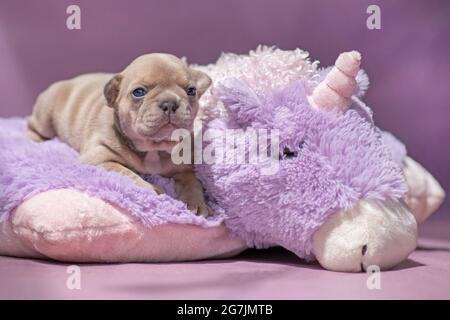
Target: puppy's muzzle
x,y
169,106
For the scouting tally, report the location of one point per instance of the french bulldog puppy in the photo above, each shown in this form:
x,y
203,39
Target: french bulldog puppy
x,y
124,122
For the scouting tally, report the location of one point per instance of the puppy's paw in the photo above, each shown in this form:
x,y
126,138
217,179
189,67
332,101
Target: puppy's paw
x,y
158,190
34,136
190,191
197,204
200,209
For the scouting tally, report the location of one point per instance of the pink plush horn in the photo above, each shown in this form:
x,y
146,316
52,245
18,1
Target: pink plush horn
x,y
336,90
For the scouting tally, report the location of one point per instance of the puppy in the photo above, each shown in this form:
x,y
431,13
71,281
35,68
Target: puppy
x,y
123,122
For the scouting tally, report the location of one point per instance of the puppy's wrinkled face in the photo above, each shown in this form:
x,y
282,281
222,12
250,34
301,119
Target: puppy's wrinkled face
x,y
156,94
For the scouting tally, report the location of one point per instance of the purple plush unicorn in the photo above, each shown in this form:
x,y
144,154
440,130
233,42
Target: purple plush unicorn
x,y
338,194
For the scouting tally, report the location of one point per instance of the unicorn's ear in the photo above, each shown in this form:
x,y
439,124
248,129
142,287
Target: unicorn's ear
x,y
334,92
362,81
239,99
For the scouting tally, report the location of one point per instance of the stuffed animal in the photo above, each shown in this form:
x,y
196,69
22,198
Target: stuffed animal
x,y
340,194
342,191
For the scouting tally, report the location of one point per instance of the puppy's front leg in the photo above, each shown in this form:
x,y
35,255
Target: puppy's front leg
x,y
117,167
190,191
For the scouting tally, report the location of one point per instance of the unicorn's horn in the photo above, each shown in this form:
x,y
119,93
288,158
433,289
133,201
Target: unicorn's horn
x,y
336,90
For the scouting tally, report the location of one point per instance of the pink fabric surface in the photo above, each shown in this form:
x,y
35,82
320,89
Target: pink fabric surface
x,y
264,274
92,230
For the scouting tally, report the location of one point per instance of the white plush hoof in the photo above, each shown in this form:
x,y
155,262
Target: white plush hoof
x,y
425,194
381,233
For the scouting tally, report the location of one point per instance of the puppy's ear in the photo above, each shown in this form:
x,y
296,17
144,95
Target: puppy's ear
x,y
202,81
111,90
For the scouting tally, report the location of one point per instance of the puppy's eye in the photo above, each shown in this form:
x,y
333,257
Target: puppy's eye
x,y
191,91
139,92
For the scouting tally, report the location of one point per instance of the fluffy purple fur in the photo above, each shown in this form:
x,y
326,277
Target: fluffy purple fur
x,y
341,158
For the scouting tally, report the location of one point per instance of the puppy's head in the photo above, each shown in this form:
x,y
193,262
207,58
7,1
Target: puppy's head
x,y
156,94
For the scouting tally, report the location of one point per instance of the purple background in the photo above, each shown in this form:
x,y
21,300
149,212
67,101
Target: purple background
x,y
407,60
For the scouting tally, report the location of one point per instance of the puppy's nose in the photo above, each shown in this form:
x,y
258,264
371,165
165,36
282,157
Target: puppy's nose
x,y
169,106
